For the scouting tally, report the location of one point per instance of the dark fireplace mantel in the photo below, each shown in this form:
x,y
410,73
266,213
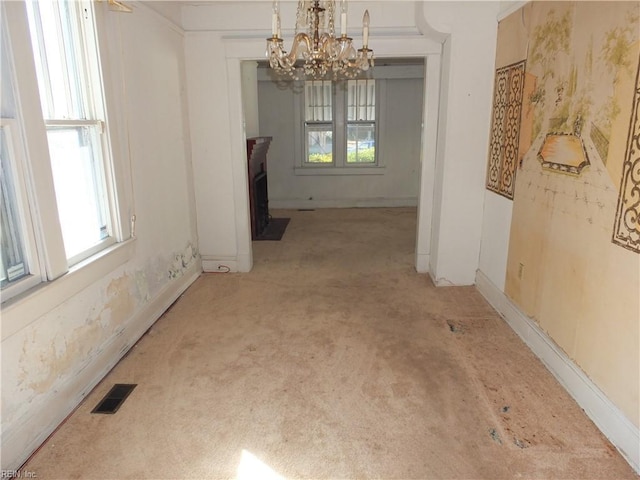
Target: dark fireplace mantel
x,y
257,148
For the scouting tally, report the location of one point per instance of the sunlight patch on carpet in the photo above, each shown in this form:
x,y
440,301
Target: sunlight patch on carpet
x,y
251,467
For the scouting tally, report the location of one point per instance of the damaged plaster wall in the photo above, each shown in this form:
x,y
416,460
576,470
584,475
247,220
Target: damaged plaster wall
x,y
550,243
52,363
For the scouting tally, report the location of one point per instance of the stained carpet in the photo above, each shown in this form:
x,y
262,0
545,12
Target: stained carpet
x,y
332,359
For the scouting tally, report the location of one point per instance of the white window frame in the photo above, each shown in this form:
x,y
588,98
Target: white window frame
x,y
339,165
15,148
323,119
89,95
361,122
58,281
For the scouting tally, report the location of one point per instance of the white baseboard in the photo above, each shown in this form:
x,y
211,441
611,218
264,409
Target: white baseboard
x,y
20,440
382,202
245,262
607,417
211,263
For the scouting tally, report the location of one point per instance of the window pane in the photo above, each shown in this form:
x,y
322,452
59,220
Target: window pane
x,y
57,41
7,101
319,143
79,183
13,265
318,101
361,100
361,143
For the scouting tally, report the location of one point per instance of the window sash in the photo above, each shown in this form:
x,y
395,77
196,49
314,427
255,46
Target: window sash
x,y
361,150
319,143
361,100
318,101
62,46
13,262
20,269
80,186
70,84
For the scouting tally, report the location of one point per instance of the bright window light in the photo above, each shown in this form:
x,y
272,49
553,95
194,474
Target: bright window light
x,y
252,468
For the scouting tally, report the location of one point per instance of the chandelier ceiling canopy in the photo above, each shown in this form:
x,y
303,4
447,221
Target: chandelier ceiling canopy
x,y
316,51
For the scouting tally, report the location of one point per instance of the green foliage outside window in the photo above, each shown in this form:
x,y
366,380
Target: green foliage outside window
x,y
367,155
320,158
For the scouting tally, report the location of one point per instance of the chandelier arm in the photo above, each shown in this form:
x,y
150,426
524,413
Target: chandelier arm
x,y
300,40
279,59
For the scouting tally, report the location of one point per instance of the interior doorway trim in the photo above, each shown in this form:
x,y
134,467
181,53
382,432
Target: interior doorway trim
x,y
238,50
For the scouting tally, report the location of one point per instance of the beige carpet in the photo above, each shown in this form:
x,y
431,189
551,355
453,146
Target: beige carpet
x,y
332,359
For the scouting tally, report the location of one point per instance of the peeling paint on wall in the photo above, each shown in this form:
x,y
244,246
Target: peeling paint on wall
x,y
562,269
182,261
51,361
59,356
51,350
142,287
70,337
121,302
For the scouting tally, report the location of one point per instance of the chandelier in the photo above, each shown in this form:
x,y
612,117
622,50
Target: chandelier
x,y
316,51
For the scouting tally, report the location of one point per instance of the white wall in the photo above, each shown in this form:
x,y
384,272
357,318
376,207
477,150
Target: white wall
x,y
496,226
237,31
209,113
62,346
399,148
464,136
250,98
496,217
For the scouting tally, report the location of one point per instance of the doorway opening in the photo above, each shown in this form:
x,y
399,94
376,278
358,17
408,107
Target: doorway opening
x,y
278,111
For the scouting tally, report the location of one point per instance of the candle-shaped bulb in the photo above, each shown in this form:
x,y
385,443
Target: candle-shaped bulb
x,y
365,29
275,18
343,18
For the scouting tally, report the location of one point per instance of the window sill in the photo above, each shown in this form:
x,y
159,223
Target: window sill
x,y
354,170
19,312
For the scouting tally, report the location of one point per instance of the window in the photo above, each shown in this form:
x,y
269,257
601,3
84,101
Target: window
x,y
65,51
19,269
340,123
59,182
319,121
16,272
361,125
12,262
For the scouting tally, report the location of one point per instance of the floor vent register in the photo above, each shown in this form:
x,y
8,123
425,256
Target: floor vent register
x,y
113,400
